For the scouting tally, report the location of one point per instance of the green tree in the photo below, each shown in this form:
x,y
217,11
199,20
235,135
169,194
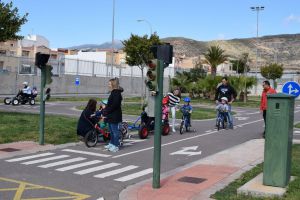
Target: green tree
x,y
10,22
272,71
215,56
138,53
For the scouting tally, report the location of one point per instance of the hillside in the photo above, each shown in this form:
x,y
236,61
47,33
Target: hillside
x,y
284,48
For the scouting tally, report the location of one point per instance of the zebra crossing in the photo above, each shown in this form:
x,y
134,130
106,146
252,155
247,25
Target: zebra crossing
x,y
80,165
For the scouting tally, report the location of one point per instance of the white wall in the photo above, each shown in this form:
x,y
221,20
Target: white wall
x,y
34,40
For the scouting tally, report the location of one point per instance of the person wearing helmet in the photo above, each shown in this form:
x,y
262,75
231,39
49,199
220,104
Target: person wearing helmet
x,y
187,109
26,91
226,90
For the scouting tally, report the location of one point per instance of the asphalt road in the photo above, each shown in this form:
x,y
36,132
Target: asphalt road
x,y
106,174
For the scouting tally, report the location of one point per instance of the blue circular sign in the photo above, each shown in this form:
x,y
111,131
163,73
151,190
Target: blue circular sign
x,y
292,88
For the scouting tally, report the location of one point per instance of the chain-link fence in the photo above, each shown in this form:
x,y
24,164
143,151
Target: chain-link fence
x,y
64,66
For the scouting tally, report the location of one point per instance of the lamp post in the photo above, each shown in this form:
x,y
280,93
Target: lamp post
x,y
112,41
257,9
143,20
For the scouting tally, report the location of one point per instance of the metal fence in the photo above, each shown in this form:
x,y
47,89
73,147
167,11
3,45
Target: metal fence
x,y
24,65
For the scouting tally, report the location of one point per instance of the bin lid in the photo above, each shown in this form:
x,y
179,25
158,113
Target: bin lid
x,y
281,95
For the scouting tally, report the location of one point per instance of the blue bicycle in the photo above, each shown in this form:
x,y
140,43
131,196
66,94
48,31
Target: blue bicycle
x,y
222,119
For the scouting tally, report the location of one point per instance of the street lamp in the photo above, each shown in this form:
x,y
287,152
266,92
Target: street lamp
x,y
112,41
257,9
143,20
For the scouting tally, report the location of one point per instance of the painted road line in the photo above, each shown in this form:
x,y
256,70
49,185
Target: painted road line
x,y
79,165
117,171
63,162
44,160
135,175
87,153
98,168
177,141
29,157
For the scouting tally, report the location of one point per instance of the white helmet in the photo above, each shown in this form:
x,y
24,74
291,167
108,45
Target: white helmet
x,y
225,99
25,83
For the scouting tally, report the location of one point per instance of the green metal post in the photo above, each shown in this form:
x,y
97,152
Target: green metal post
x,y
42,106
158,126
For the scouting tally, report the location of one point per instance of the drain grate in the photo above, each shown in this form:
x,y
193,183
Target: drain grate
x,y
193,180
9,149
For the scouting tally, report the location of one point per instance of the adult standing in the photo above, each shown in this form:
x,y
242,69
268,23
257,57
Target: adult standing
x,y
267,89
174,99
113,114
226,90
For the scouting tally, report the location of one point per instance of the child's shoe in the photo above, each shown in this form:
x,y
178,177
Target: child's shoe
x,y
113,148
108,146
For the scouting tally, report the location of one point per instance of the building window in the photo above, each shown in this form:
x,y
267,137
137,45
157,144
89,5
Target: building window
x,y
2,52
25,69
53,56
25,53
12,53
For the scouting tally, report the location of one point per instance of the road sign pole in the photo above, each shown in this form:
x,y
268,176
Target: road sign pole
x,y
158,126
42,106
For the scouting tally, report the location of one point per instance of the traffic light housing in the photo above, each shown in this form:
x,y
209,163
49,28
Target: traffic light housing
x,y
151,81
41,59
49,74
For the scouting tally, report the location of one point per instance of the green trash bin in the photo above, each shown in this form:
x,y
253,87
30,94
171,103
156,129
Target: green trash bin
x,y
278,140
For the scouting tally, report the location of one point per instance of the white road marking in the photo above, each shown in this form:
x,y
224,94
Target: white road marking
x,y
63,162
44,160
135,175
98,168
187,151
78,165
117,171
29,157
189,138
87,153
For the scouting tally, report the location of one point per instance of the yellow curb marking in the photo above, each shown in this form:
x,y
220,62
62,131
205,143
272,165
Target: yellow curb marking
x,y
23,186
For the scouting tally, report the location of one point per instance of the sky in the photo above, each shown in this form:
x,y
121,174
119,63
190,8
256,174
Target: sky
x,y
67,23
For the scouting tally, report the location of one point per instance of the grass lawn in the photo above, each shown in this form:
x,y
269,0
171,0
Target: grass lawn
x,y
25,127
198,113
293,193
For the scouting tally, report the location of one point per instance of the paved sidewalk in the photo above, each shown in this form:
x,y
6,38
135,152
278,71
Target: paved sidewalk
x,y
217,170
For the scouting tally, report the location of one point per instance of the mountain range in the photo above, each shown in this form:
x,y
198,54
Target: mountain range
x,y
283,49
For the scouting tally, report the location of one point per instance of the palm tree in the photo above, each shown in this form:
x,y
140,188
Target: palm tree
x,y
215,56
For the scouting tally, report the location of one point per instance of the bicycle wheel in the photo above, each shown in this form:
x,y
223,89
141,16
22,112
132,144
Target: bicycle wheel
x,y
218,124
181,127
165,129
91,138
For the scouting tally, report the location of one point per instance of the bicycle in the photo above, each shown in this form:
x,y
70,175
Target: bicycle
x,y
185,122
222,119
94,136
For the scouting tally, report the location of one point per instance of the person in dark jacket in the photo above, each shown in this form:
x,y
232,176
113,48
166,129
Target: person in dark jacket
x,y
113,114
226,90
86,121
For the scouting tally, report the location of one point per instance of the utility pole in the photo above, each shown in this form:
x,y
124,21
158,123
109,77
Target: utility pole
x,y
257,9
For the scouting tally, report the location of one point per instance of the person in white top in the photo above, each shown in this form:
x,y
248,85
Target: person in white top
x,y
174,99
26,91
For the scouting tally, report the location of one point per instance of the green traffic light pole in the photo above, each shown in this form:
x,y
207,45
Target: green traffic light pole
x,y
158,126
42,105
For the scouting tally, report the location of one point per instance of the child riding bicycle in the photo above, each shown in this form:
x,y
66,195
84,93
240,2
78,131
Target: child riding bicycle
x,y
187,110
223,112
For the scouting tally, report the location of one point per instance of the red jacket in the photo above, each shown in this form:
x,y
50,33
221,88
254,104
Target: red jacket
x,y
263,101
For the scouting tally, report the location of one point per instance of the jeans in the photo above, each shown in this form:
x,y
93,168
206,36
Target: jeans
x,y
173,111
114,134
